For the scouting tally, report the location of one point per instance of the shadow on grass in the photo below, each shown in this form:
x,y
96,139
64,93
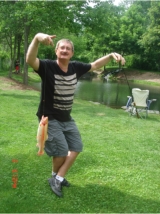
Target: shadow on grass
x,y
101,199
33,193
155,118
151,117
92,198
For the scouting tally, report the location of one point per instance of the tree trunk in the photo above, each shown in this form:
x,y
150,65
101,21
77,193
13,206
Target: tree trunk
x,y
9,41
26,34
19,39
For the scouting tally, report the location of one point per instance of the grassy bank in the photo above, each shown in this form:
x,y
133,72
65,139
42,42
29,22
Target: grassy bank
x,y
118,171
143,77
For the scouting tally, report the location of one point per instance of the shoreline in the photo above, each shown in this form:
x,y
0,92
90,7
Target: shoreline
x,y
135,75
132,75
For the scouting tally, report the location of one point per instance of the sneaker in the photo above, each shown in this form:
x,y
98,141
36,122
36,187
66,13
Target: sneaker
x,y
63,183
55,186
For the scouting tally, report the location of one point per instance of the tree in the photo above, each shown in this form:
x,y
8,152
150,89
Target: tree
x,y
133,25
7,29
150,40
101,28
26,18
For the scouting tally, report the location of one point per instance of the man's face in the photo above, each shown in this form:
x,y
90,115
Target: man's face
x,y
64,51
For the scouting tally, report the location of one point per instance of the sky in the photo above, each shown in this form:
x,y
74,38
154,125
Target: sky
x,y
117,2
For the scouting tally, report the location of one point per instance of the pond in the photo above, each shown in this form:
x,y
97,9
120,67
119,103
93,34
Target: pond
x,y
112,93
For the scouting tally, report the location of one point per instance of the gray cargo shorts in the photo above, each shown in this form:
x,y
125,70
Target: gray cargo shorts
x,y
62,137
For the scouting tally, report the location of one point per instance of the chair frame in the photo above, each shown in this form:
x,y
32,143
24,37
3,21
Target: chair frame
x,y
139,103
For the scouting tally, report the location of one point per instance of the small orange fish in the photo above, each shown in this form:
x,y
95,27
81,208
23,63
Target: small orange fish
x,y
42,135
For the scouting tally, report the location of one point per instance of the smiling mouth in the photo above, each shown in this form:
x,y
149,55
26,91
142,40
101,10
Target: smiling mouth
x,y
64,54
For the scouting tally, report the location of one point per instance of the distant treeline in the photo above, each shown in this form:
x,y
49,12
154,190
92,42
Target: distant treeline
x,y
96,28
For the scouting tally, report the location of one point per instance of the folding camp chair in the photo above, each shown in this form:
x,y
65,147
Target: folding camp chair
x,y
139,103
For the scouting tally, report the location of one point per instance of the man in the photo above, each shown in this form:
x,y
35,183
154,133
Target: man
x,y
59,79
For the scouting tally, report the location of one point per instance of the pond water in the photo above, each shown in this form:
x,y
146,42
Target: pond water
x,y
113,94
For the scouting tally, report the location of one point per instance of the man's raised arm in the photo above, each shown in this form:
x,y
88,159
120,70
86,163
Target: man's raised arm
x,y
31,57
105,59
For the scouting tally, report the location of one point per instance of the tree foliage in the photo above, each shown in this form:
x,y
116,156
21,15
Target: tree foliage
x,y
96,28
150,40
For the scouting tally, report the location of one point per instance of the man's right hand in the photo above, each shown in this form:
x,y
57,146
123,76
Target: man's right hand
x,y
31,57
45,38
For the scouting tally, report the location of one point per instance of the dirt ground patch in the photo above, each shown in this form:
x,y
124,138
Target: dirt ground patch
x,y
9,84
136,75
147,76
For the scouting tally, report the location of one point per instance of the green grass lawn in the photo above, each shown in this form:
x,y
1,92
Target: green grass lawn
x,y
118,171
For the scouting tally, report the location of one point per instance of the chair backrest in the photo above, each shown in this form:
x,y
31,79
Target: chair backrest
x,y
140,97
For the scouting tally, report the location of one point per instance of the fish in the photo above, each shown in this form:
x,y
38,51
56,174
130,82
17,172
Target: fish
x,y
42,134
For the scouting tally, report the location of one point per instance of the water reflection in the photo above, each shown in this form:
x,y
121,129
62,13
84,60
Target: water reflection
x,y
113,94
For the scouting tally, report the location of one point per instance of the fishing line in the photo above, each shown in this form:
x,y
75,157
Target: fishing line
x,y
134,104
44,90
126,79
